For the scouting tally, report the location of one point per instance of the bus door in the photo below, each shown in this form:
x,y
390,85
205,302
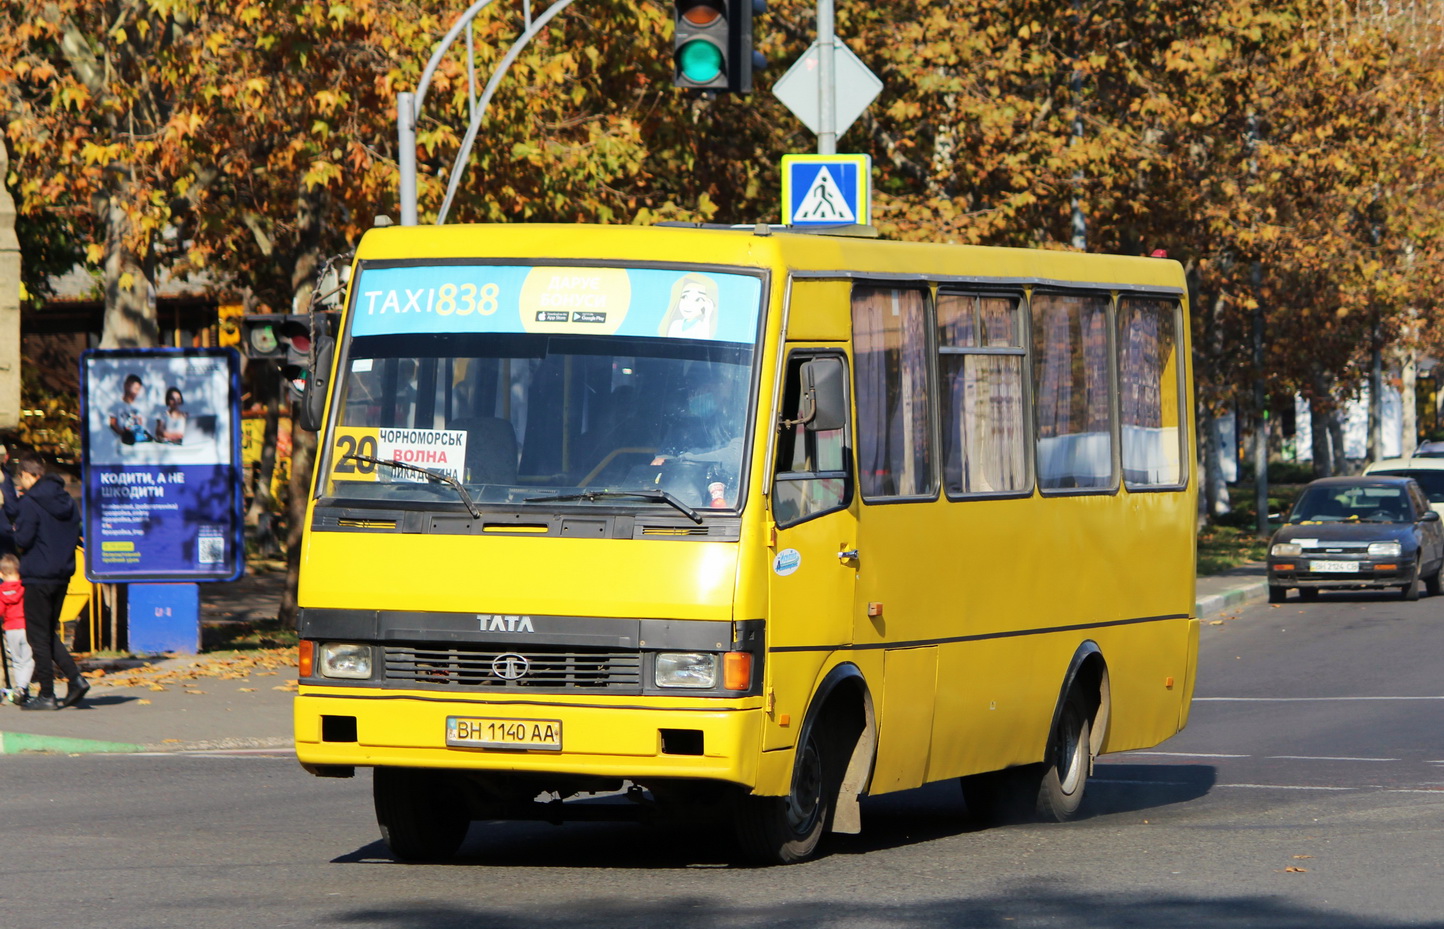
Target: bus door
x,y
813,567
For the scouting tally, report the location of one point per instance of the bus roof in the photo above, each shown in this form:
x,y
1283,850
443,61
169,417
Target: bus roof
x,y
811,255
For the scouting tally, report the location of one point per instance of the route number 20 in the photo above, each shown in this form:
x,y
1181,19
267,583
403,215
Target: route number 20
x,y
348,445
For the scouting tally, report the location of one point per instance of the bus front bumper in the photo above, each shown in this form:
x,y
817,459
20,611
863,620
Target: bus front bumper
x,y
337,729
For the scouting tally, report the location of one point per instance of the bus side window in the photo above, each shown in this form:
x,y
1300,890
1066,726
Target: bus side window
x,y
812,451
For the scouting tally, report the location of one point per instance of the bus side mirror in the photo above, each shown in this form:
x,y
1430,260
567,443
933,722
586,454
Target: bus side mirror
x,y
824,396
313,401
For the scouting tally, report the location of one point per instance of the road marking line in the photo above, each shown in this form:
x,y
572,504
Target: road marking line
x,y
1322,758
1186,754
1298,787
1303,699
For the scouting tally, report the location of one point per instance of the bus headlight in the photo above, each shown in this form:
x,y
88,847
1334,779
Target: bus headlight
x,y
1387,549
352,662
686,669
1286,550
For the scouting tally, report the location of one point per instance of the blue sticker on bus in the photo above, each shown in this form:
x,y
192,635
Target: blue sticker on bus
x,y
786,562
645,302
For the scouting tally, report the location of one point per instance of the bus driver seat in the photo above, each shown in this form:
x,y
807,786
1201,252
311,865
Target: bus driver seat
x,y
490,449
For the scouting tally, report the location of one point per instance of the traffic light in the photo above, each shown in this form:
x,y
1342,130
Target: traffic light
x,y
279,336
712,44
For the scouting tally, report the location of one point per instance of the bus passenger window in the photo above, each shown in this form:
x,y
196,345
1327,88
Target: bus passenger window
x,y
1149,388
894,446
1071,393
811,464
985,441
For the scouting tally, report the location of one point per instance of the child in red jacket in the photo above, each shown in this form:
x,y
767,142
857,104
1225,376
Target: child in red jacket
x,y
17,648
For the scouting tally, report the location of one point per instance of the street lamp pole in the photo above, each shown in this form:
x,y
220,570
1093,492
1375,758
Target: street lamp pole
x,y
408,105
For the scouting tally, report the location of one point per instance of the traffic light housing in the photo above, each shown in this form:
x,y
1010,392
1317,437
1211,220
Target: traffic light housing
x,y
282,337
712,44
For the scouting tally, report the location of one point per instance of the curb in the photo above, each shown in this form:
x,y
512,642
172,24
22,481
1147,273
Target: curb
x,y
1214,604
13,743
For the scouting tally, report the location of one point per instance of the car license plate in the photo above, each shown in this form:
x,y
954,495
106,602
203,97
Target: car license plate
x,y
526,734
1334,567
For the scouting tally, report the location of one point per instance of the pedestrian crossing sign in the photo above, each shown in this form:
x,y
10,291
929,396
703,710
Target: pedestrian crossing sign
x,y
826,190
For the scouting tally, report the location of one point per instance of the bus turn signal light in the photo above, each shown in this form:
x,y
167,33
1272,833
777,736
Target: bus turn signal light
x,y
307,653
737,671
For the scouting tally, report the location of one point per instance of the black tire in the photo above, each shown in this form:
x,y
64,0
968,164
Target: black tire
x,y
422,814
1411,589
786,830
1070,756
1434,583
1277,593
1308,593
1047,792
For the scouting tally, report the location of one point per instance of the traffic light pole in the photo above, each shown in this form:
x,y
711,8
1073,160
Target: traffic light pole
x,y
826,80
408,105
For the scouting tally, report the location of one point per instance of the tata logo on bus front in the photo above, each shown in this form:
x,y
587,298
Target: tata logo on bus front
x,y
492,622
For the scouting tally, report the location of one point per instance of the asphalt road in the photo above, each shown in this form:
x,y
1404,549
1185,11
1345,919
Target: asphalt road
x,y
1307,793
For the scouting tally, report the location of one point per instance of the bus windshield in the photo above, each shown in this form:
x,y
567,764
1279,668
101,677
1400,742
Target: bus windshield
x,y
533,386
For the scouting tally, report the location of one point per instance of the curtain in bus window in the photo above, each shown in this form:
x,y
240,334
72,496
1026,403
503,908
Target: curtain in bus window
x,y
984,448
1070,384
894,443
1149,388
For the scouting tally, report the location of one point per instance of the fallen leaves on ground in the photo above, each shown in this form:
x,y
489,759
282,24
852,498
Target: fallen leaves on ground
x,y
235,666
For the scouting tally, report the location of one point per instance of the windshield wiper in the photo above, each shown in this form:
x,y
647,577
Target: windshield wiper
x,y
660,496
436,476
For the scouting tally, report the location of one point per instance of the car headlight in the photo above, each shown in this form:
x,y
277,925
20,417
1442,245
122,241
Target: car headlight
x,y
686,669
352,662
1286,550
1387,549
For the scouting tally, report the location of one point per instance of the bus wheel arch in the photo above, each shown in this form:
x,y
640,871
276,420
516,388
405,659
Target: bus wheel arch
x,y
831,766
1052,789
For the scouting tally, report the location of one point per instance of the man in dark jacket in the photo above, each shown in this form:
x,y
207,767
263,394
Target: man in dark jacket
x,y
47,529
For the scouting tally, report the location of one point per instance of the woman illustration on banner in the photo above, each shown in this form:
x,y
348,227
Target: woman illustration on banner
x,y
693,312
170,423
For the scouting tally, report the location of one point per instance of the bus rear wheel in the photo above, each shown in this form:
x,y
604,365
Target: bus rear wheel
x,y
1048,792
1066,774
422,814
786,830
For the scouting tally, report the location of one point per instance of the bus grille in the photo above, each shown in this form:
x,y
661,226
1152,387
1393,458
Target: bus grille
x,y
528,668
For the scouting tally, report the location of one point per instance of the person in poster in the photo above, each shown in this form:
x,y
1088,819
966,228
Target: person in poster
x,y
693,311
126,420
170,421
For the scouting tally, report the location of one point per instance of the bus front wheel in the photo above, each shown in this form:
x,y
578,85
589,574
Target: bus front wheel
x,y
786,830
422,814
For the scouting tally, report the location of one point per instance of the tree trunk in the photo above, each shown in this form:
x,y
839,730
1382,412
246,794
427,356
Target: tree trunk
x,y
1319,428
130,317
1409,411
261,515
310,212
1215,486
303,459
1336,439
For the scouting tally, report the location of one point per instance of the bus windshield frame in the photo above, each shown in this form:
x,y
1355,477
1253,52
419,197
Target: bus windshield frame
x,y
535,386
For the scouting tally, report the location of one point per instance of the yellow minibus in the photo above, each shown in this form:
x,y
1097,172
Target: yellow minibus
x,y
741,524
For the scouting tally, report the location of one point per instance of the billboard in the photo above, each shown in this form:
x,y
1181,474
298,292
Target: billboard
x,y
160,429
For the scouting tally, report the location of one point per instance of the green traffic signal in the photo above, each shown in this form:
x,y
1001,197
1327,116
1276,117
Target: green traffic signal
x,y
699,61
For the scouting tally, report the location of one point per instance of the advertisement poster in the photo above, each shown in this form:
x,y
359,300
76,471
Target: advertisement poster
x,y
162,481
